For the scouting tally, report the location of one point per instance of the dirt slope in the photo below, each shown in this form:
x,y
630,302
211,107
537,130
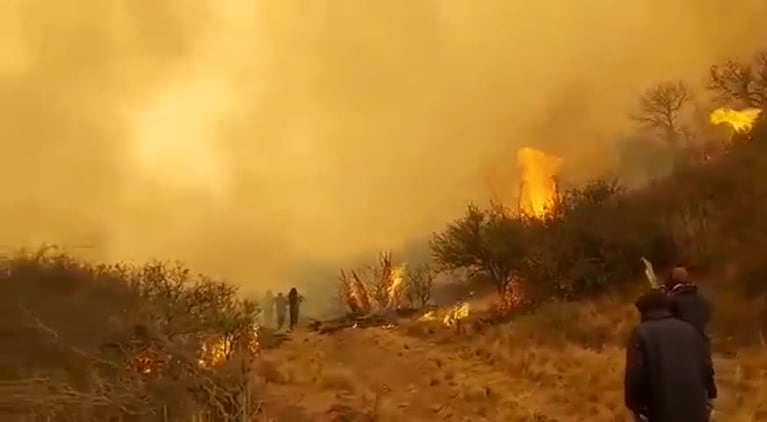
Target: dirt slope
x,y
398,374
390,377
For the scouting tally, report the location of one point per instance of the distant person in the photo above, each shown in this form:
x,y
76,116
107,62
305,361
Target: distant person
x,y
669,375
294,299
281,306
687,301
267,304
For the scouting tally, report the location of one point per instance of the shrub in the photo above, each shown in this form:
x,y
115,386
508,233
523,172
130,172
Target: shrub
x,y
487,242
593,238
99,342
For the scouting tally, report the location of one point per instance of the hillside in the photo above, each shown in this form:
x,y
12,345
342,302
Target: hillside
x,y
83,342
563,363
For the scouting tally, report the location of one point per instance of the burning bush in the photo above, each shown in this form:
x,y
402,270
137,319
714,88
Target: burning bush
x,y
102,342
512,298
355,293
591,238
382,286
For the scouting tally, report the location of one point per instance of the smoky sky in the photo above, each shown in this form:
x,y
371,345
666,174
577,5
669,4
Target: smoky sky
x,y
254,139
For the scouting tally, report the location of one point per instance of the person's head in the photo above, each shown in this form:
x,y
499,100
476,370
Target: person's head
x,y
654,301
279,294
293,291
678,275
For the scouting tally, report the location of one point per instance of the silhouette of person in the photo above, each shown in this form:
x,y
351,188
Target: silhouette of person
x,y
294,300
281,306
267,304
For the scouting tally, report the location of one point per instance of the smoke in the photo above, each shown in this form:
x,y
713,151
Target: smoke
x,y
256,139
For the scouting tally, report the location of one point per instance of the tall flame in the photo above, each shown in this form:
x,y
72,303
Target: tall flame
x,y
538,187
740,121
396,278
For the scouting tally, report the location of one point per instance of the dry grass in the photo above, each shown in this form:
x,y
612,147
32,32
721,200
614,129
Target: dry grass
x,y
563,362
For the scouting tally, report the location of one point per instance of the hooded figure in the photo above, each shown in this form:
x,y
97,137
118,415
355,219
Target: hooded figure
x,y
281,306
687,302
669,375
294,300
267,304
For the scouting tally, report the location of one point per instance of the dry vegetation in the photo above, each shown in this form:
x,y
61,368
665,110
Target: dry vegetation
x,y
84,342
154,343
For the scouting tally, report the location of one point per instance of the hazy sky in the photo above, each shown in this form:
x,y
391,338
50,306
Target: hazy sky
x,y
249,137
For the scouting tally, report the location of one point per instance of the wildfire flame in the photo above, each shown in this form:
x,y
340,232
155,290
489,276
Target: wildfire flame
x,y
428,316
214,353
218,350
538,188
456,314
396,279
740,121
355,293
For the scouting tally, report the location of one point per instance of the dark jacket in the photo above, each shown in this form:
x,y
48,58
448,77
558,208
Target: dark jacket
x,y
669,374
689,304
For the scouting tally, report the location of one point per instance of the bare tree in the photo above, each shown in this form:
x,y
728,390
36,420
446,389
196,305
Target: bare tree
x,y
419,285
740,84
661,108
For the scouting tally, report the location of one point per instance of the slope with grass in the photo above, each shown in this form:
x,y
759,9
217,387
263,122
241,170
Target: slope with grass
x,y
563,362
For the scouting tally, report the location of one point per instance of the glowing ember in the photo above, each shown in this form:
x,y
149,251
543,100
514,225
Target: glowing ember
x,y
511,298
538,187
740,121
429,316
214,353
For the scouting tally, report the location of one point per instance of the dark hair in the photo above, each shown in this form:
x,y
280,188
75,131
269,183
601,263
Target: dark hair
x,y
654,300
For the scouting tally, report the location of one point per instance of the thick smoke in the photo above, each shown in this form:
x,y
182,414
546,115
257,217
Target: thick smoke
x,y
259,139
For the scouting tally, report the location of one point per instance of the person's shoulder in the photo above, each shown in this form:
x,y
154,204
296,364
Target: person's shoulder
x,y
679,328
662,324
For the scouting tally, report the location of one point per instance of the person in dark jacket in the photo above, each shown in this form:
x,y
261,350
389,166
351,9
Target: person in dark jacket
x,y
669,374
687,301
281,306
294,302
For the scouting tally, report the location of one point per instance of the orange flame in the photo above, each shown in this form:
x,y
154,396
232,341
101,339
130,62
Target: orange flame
x,y
538,187
740,121
394,291
455,315
218,350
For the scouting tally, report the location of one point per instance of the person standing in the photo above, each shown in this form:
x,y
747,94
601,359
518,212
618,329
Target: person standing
x,y
669,375
281,306
267,304
294,299
687,301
